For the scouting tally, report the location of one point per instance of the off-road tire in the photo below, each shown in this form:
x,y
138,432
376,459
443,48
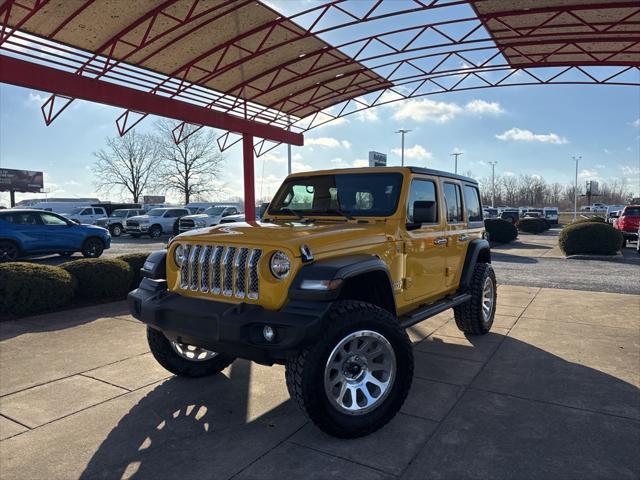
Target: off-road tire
x,y
305,372
170,360
116,230
155,231
468,316
92,247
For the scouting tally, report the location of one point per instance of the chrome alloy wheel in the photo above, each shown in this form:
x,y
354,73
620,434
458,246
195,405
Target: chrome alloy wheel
x,y
189,352
488,299
360,372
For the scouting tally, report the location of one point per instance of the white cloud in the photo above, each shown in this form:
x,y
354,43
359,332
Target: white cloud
x,y
328,142
600,166
421,110
368,115
300,167
272,157
326,121
630,170
346,143
508,174
35,100
296,156
637,123
361,162
528,136
480,107
417,152
585,173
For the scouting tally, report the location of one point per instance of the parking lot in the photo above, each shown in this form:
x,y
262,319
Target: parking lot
x,y
551,393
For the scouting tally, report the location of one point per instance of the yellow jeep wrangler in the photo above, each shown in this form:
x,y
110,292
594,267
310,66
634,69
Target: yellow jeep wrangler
x,y
326,284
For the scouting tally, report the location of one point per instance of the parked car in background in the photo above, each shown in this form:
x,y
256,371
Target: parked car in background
x,y
86,215
198,207
510,215
116,222
490,212
628,223
210,217
36,232
156,222
551,214
613,212
532,214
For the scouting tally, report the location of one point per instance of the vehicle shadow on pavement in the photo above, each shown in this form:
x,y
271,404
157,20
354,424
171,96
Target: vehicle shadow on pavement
x,y
506,257
525,406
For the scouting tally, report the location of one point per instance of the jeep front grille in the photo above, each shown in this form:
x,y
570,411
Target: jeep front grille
x,y
221,270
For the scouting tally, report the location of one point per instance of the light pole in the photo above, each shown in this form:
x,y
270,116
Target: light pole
x,y
402,131
493,183
575,188
456,154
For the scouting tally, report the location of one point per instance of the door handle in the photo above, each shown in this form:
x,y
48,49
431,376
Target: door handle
x,y
463,238
440,241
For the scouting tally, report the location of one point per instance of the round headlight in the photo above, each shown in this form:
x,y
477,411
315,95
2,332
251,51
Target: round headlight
x,y
180,255
280,265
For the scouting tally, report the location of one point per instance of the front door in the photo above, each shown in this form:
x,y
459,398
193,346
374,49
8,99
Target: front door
x,y
423,246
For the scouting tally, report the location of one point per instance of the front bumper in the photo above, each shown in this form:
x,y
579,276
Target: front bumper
x,y
630,236
226,328
138,229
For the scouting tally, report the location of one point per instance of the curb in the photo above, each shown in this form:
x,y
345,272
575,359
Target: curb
x,y
616,256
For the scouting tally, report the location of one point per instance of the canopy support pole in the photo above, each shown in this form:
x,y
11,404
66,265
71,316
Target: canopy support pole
x,y
249,178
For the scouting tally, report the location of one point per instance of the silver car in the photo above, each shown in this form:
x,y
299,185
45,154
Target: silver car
x,y
156,222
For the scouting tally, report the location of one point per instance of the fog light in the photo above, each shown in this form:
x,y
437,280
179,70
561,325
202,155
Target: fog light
x,y
268,333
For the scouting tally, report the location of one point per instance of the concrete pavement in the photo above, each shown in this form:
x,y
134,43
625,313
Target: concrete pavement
x,y
552,392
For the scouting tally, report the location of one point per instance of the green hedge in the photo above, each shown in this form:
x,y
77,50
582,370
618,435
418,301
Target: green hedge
x,y
533,225
590,219
594,238
28,288
500,231
99,279
135,262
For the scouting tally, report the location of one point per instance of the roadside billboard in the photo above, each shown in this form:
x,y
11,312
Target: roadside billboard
x,y
153,199
20,180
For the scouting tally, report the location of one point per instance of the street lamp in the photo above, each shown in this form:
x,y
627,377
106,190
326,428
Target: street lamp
x,y
493,183
402,131
456,154
576,159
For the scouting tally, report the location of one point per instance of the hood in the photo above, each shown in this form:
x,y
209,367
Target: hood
x,y
137,218
319,237
199,215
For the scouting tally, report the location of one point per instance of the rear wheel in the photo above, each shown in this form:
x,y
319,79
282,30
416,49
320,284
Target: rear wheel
x,y
185,360
116,230
476,315
9,251
92,248
356,376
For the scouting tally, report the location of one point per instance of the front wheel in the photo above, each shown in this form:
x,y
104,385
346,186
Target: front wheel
x,y
185,360
92,248
155,231
356,376
476,316
116,230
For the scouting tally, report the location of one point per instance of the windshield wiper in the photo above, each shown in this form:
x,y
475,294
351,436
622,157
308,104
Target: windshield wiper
x,y
291,212
342,213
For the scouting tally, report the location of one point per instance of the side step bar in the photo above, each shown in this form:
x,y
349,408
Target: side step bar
x,y
423,313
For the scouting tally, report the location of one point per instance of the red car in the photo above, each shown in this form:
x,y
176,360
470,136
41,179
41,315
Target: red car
x,y
628,223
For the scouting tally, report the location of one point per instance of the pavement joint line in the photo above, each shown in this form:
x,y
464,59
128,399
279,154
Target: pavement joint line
x,y
554,404
15,421
438,427
104,381
342,458
580,323
430,419
71,375
260,457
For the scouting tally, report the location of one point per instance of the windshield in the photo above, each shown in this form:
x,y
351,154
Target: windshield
x,y
76,210
156,212
353,194
119,213
214,211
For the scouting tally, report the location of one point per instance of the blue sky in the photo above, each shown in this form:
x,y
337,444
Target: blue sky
x,y
533,130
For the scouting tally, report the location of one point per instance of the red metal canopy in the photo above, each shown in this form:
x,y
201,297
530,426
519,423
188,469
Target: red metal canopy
x,y
242,66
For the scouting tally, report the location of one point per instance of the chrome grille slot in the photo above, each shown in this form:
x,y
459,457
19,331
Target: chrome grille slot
x,y
216,271
194,257
241,273
227,276
205,270
184,268
253,287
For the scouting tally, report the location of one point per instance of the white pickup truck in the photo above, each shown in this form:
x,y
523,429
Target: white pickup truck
x,y
210,217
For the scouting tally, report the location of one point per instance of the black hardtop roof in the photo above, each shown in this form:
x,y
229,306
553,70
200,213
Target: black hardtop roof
x,y
441,173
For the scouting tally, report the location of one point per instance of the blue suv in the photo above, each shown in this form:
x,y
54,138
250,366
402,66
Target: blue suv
x,y
36,232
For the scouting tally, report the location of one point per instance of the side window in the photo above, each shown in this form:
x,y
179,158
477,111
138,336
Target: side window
x,y
171,214
472,204
86,211
453,202
421,190
49,219
98,211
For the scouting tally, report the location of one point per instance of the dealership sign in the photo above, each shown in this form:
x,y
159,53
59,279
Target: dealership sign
x,y
377,159
20,180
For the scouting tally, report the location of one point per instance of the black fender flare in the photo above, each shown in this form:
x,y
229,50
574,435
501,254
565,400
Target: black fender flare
x,y
338,268
478,250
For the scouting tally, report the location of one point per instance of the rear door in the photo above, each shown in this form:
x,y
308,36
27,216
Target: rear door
x,y
424,246
456,232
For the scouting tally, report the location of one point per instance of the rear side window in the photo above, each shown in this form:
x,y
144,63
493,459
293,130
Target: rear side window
x,y
421,190
453,202
472,204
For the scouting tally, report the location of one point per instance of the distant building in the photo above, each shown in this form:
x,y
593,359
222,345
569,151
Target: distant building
x,y
27,202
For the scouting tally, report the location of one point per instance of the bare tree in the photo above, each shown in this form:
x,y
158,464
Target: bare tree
x,y
510,187
128,163
191,167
